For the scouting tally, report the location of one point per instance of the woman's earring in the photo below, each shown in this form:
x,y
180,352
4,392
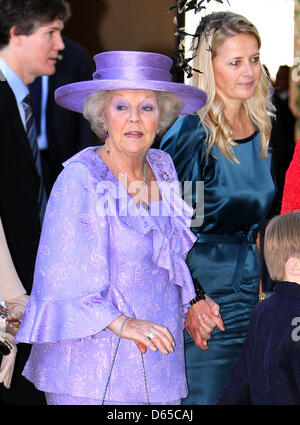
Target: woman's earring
x,y
157,137
105,134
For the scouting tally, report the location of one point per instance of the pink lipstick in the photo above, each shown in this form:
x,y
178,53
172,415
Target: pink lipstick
x,y
134,134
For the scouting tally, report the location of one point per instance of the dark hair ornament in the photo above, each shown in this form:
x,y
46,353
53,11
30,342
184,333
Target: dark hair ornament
x,y
197,5
181,62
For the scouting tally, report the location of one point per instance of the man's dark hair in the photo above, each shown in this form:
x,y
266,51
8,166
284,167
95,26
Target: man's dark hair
x,y
25,15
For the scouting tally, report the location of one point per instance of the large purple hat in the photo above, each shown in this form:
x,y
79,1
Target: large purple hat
x,y
118,70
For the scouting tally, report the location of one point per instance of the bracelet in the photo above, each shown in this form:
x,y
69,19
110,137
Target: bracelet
x,y
200,294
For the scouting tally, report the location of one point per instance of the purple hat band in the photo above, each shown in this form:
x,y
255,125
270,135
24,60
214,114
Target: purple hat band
x,y
130,70
132,66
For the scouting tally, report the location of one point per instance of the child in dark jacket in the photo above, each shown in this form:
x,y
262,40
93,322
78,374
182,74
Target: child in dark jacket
x,y
268,369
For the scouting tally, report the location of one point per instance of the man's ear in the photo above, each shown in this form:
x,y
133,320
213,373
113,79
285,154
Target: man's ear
x,y
293,266
15,36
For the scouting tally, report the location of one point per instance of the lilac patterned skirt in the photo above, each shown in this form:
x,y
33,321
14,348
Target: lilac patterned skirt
x,y
67,400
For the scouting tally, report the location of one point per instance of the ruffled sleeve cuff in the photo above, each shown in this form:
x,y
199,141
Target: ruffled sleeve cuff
x,y
53,321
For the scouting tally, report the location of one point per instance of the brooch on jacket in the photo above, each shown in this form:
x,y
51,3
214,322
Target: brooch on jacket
x,y
165,176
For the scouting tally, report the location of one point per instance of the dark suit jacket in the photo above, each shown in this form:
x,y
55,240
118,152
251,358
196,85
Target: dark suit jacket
x,y
19,184
268,369
67,132
282,143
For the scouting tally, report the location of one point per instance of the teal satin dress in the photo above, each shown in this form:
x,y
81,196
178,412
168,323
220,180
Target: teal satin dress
x,y
224,259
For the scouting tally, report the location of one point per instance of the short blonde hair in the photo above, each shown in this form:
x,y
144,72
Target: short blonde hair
x,y
216,28
95,104
281,241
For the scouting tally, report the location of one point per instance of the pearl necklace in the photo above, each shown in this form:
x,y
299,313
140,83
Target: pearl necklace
x,y
122,174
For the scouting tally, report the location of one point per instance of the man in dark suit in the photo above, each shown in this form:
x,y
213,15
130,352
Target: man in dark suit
x,y
30,39
62,133
282,145
282,139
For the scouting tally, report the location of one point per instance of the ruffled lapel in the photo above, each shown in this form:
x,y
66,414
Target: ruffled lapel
x,y
170,246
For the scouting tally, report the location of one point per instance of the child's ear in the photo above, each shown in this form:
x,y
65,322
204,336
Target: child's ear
x,y
293,266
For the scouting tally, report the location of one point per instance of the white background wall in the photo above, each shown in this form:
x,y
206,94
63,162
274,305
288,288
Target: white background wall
x,y
274,20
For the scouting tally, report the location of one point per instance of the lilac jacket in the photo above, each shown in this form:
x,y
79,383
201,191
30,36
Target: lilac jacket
x,y
100,255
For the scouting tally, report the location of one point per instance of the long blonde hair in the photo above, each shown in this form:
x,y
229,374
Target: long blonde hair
x,y
213,30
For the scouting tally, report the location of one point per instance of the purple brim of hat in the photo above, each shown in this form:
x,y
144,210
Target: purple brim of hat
x,y
125,70
72,96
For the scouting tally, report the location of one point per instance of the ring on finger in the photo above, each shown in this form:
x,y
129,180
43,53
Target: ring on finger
x,y
150,335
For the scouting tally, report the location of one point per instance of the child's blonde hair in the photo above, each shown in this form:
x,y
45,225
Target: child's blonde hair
x,y
282,241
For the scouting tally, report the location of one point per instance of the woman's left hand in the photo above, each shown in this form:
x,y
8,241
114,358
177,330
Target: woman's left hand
x,y
145,334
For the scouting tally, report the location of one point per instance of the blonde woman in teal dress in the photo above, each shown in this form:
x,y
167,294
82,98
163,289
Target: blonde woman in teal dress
x,y
227,147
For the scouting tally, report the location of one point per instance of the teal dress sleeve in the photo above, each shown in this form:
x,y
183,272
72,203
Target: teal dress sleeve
x,y
236,201
185,142
182,142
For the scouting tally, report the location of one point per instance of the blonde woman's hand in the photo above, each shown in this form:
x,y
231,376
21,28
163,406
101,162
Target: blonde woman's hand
x,y
201,319
145,334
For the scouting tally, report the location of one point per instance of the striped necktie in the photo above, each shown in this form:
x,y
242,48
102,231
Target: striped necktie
x,y
32,137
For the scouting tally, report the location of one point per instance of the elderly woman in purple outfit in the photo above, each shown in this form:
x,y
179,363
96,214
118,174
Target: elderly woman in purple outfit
x,y
111,286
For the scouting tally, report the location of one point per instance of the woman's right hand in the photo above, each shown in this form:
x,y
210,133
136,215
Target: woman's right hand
x,y
137,330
